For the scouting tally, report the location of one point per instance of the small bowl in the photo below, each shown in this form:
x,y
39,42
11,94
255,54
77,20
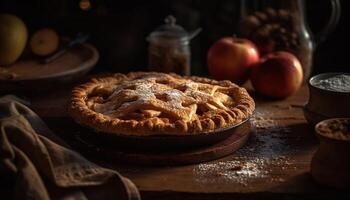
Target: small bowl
x,y
330,166
325,104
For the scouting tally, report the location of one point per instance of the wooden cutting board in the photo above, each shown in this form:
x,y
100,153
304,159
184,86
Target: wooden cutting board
x,y
33,74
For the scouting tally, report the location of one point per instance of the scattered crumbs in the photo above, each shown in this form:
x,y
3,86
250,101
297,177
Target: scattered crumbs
x,y
229,171
242,170
270,138
267,149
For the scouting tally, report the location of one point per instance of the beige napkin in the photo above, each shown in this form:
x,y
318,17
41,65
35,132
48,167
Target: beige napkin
x,y
36,164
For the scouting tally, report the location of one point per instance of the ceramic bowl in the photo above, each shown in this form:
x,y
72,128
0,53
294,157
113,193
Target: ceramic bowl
x,y
324,104
331,163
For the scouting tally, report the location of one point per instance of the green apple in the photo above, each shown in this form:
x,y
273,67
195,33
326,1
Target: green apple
x,y
13,38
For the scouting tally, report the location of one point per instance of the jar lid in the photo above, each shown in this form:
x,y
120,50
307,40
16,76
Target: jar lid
x,y
169,30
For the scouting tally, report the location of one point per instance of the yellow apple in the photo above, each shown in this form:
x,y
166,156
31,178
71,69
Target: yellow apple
x,y
13,38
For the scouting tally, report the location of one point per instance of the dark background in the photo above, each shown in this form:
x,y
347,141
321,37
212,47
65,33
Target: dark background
x,y
119,28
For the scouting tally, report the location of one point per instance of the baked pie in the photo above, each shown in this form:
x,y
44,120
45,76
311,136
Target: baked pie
x,y
149,103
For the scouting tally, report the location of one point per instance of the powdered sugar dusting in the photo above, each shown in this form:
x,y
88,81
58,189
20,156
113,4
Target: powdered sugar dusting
x,y
269,138
173,94
239,171
267,149
177,97
229,171
174,98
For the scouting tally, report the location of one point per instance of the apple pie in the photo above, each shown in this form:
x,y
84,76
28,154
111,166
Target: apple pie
x,y
149,103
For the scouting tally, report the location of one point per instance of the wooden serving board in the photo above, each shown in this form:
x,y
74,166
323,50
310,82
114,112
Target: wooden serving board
x,y
159,156
33,74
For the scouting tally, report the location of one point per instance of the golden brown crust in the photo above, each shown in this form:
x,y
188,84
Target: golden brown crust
x,y
211,121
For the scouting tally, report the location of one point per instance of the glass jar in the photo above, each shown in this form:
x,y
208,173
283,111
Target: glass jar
x,y
169,48
275,25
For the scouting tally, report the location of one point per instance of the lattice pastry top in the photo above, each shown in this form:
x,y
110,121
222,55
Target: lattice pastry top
x,y
149,103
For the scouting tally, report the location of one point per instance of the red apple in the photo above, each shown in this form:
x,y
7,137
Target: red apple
x,y
231,58
277,75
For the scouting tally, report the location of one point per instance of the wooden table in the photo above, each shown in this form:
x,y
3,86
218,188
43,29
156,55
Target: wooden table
x,y
273,164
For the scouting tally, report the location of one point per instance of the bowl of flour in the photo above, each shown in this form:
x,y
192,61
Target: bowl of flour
x,y
329,97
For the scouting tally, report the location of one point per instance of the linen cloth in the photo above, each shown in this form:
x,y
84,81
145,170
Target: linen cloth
x,y
36,164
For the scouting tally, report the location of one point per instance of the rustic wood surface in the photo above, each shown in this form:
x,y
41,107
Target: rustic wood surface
x,y
274,163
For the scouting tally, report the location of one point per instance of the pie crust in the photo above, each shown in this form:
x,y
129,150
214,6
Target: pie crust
x,y
150,103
